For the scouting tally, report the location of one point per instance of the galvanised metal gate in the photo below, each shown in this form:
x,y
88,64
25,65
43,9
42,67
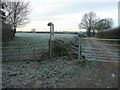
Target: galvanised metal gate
x,y
95,49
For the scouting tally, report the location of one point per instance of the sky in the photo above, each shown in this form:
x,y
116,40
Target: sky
x,y
67,14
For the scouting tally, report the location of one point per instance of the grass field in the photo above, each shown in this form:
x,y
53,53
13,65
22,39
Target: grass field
x,y
30,45
39,37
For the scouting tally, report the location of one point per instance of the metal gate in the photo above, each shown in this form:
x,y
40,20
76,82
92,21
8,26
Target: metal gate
x,y
95,49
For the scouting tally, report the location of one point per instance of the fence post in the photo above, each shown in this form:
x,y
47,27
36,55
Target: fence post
x,y
50,48
51,41
80,48
52,38
33,51
19,50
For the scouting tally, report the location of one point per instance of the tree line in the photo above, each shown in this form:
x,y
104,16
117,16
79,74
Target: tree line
x,y
91,22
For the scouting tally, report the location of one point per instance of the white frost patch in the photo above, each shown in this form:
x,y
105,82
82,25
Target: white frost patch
x,y
113,75
97,83
89,78
109,86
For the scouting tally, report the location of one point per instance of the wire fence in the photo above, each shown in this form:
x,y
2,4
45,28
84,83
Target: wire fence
x,y
91,48
23,50
100,49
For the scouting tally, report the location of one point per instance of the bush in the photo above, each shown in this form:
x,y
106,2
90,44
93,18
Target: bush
x,y
7,33
60,48
64,47
110,34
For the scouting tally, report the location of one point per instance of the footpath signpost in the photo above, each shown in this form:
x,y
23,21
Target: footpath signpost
x,y
51,41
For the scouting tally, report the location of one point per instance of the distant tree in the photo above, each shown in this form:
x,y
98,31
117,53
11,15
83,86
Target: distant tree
x,y
102,24
91,22
17,13
88,22
33,30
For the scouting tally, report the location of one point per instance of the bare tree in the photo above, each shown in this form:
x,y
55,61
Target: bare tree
x,y
17,13
88,22
102,24
2,12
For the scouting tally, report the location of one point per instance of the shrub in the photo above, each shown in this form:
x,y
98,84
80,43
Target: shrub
x,y
110,34
64,47
60,48
7,32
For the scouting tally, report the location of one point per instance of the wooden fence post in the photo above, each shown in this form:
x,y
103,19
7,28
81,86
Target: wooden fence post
x,y
51,40
19,50
80,49
50,45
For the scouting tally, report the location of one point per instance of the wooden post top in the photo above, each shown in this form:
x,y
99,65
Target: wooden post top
x,y
50,24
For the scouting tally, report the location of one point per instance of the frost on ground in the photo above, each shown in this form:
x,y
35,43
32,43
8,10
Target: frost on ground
x,y
58,73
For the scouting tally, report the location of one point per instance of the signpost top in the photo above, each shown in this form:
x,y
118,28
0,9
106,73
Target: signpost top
x,y
51,38
50,24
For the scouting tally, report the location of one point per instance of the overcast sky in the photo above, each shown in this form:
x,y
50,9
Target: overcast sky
x,y
67,14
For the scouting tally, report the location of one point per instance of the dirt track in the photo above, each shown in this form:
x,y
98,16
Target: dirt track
x,y
104,74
